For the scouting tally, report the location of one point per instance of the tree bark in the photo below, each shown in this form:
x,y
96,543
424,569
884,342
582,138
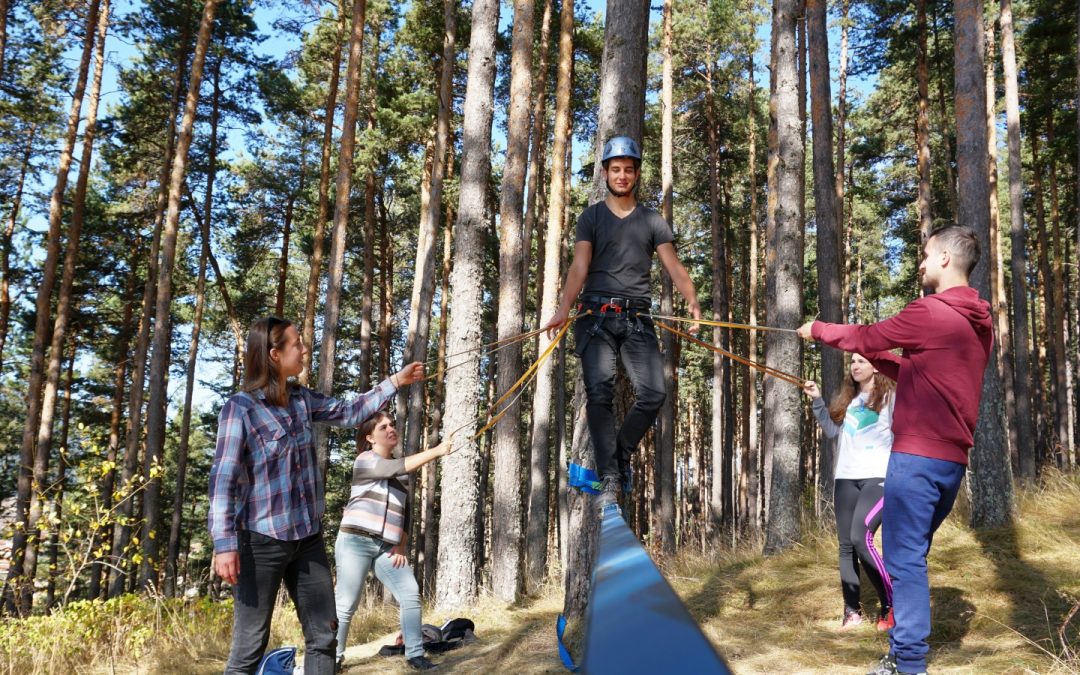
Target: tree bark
x,y
1045,290
461,470
547,382
343,187
17,581
946,139
283,259
368,283
665,429
423,291
990,472
6,243
4,6
537,161
60,483
922,125
784,269
752,445
622,112
717,500
507,504
171,570
827,211
307,332
64,301
1022,370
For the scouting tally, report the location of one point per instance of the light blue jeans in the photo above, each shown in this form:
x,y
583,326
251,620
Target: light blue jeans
x,y
356,554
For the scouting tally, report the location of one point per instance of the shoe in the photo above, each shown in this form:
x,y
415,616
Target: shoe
x,y
886,620
852,618
420,663
339,663
885,666
609,491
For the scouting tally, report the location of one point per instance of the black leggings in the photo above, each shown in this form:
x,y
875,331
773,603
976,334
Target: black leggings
x,y
858,505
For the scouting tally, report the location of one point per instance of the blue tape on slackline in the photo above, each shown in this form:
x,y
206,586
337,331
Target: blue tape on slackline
x,y
564,653
635,622
583,479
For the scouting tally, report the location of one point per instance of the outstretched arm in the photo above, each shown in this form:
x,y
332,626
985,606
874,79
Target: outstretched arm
x,y
906,330
680,277
575,280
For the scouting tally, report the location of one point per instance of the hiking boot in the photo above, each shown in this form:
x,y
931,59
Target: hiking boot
x,y
609,491
886,620
885,666
420,663
852,618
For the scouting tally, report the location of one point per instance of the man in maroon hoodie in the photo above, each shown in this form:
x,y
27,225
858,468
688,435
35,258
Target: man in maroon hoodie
x,y
946,339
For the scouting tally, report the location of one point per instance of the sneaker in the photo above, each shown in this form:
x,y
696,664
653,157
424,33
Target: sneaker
x,y
852,618
609,491
420,663
885,666
886,620
339,663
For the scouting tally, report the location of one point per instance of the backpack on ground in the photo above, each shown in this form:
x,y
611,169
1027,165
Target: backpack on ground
x,y
453,634
280,661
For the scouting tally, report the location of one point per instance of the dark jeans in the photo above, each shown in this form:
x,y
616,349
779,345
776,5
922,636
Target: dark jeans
x,y
858,504
600,341
264,563
919,494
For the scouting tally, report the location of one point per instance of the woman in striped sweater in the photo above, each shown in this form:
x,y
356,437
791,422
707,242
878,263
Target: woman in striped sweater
x,y
861,415
373,533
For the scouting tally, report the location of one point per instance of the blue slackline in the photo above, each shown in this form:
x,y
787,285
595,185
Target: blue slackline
x,y
635,622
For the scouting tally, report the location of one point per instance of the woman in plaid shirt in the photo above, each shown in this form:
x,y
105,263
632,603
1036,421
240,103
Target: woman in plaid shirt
x,y
267,495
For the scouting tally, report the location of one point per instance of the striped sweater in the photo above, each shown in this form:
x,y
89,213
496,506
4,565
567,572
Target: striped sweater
x,y
378,498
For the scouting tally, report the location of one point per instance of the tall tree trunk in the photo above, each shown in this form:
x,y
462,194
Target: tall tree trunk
x,y
129,481
368,283
4,7
507,504
343,187
64,301
162,348
844,233
461,470
922,125
752,444
622,112
283,259
946,138
1025,438
997,270
1046,292
99,572
171,569
784,270
1057,328
665,429
26,490
537,160
307,332
61,481
423,291
6,243
827,211
547,382
991,472
717,502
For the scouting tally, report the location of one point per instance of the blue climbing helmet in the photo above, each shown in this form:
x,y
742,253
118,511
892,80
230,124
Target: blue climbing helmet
x,y
620,146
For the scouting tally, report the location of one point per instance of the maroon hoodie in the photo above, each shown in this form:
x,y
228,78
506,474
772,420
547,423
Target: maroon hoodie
x,y
946,338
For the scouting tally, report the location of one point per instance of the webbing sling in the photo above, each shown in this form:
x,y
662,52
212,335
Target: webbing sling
x,y
635,622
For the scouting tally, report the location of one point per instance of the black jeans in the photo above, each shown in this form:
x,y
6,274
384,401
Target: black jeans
x,y
264,563
600,340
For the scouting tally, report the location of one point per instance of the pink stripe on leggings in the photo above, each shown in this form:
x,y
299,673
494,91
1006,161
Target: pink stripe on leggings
x,y
879,562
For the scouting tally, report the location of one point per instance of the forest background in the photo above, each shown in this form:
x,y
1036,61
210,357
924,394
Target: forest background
x,y
402,181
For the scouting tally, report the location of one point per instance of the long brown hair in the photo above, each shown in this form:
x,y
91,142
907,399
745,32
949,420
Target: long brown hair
x,y
260,372
879,395
365,429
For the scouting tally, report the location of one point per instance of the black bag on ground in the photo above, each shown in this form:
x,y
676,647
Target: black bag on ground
x,y
453,634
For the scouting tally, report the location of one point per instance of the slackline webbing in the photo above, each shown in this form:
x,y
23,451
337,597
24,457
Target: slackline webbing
x,y
635,622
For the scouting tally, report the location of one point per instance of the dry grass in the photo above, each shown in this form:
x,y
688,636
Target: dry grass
x,y
999,599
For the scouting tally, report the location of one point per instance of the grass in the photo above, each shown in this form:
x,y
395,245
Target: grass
x,y
999,598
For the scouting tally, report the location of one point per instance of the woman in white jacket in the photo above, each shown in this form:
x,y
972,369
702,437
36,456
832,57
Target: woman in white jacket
x,y
861,415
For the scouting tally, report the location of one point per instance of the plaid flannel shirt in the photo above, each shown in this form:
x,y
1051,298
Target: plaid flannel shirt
x,y
265,476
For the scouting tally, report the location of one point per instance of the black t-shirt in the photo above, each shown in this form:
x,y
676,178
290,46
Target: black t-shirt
x,y
622,249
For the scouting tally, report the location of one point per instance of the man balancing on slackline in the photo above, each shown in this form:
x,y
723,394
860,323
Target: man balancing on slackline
x,y
616,238
946,339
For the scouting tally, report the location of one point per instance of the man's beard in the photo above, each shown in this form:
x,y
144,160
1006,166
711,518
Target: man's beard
x,y
617,193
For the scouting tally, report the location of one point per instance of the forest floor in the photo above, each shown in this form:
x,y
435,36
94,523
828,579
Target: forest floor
x,y
999,599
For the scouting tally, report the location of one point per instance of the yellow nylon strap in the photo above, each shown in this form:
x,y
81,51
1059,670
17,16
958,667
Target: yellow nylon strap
x,y
778,374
